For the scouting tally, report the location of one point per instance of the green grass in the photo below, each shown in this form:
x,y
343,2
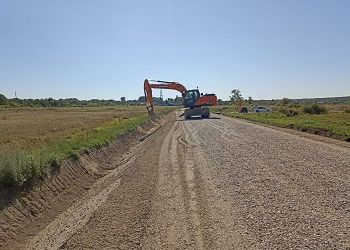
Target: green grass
x,y
19,168
336,125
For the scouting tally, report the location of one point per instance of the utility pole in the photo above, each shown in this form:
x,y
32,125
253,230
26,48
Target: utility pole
x,y
161,94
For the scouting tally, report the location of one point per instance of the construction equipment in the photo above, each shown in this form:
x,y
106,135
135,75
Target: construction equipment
x,y
195,103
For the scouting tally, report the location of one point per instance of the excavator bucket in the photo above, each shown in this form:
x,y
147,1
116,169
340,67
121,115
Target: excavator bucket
x,y
153,116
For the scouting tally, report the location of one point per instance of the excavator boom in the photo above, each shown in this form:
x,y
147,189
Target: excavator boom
x,y
160,85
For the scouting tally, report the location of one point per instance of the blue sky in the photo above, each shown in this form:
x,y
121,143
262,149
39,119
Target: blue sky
x,y
106,48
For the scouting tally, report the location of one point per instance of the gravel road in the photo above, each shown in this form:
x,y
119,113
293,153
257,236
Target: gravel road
x,y
217,183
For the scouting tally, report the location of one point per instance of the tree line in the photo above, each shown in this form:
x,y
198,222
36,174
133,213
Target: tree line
x,y
74,102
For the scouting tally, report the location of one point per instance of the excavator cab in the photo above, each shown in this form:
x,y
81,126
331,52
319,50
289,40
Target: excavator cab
x,y
191,97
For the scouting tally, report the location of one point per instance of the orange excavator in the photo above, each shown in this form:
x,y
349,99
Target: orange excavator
x,y
195,103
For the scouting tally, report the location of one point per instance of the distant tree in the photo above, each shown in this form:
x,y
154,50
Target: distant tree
x,y
285,101
250,100
52,102
123,99
3,100
178,100
237,98
158,101
236,95
142,99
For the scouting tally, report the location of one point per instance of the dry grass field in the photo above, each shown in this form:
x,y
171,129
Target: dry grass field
x,y
30,128
338,107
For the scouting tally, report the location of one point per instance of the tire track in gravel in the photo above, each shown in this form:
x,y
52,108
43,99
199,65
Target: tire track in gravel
x,y
192,201
167,221
222,231
175,219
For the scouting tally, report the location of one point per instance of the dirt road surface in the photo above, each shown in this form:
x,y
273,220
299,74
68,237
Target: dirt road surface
x,y
216,183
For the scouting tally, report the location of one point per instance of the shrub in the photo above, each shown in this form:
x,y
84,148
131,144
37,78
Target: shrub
x,y
347,111
14,104
315,109
290,112
17,168
294,105
3,100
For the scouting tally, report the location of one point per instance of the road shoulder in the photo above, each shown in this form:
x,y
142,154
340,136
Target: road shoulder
x,y
307,135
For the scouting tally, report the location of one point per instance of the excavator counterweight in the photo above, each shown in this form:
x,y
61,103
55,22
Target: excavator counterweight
x,y
195,103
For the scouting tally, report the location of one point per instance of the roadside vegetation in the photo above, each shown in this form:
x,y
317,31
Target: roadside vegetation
x,y
313,118
78,131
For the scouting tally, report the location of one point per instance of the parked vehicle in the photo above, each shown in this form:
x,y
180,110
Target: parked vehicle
x,y
261,109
